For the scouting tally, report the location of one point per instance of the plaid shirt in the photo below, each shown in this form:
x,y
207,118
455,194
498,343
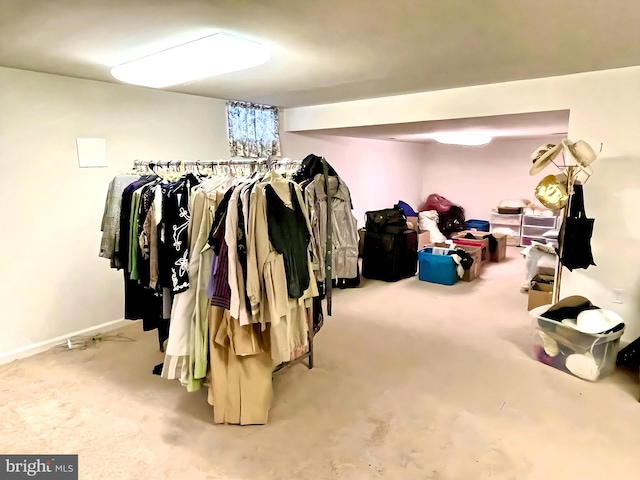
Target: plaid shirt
x,y
111,217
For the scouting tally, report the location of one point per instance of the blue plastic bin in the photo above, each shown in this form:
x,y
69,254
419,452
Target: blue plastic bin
x,y
436,268
479,225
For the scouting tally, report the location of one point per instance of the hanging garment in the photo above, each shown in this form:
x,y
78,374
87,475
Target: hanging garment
x,y
121,253
235,238
199,343
578,229
176,213
133,233
240,390
290,237
150,238
267,279
143,260
310,167
344,237
139,303
179,346
111,218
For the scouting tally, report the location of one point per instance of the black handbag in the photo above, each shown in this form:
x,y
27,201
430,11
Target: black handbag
x,y
578,229
389,220
452,221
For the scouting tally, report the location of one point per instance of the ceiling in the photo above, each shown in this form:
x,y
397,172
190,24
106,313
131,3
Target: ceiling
x,y
330,50
523,125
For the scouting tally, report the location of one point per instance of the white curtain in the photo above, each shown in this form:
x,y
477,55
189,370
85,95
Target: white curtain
x,y
253,130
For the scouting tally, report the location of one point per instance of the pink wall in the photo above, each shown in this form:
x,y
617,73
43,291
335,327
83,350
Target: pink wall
x,y
378,172
381,172
479,177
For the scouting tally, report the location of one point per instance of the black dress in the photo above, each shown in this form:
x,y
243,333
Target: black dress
x,y
289,235
177,215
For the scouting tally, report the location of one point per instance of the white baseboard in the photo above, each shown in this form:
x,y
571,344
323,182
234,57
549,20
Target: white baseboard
x,y
35,348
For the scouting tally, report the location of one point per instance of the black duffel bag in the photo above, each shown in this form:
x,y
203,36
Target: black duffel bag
x,y
389,220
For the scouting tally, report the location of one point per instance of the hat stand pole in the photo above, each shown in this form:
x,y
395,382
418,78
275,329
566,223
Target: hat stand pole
x,y
570,172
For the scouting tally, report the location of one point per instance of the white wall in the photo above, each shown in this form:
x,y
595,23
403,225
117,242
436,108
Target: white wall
x,y
604,108
53,281
378,172
478,178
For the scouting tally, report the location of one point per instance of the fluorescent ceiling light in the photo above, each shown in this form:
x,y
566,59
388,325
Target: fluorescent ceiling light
x,y
454,138
209,56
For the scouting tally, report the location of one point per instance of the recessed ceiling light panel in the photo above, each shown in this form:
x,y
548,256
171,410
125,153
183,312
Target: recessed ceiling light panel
x,y
458,138
207,57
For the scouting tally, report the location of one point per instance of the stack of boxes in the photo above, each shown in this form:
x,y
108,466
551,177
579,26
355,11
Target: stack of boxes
x,y
477,246
541,289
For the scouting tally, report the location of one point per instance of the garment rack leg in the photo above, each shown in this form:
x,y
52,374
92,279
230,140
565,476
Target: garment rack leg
x,y
310,362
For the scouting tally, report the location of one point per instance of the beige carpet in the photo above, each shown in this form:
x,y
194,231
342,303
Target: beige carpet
x,y
412,381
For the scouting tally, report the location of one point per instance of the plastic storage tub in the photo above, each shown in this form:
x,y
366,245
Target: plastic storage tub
x,y
587,356
479,225
436,268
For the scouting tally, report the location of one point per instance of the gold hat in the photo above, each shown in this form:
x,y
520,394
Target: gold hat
x,y
552,191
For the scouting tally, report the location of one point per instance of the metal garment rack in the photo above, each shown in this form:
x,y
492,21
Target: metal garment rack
x,y
184,164
270,163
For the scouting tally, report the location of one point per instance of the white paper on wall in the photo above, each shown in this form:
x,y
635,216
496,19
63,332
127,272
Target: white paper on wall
x,y
92,152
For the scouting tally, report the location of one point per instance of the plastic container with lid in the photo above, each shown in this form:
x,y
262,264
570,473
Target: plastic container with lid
x,y
479,225
584,355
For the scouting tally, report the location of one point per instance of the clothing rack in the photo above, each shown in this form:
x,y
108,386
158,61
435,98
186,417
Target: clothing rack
x,y
271,163
571,179
571,172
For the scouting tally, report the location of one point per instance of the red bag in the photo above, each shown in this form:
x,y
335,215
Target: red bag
x,y
438,203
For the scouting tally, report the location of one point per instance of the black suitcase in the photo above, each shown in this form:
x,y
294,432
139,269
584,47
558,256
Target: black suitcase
x,y
390,256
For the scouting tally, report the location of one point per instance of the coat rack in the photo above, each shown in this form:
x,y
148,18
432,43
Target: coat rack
x,y
583,156
571,172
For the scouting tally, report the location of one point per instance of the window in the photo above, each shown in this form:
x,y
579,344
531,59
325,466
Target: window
x,y
253,130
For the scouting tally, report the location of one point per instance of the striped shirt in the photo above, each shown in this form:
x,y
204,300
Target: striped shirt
x,y
221,296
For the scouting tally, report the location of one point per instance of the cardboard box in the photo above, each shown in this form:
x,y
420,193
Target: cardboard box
x,y
547,271
477,241
541,291
475,253
412,224
501,251
424,239
542,278
475,270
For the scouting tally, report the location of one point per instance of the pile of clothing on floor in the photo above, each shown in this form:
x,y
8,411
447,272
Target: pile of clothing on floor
x,y
440,217
578,337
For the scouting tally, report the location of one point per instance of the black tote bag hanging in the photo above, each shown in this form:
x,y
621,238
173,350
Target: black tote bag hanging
x,y
578,229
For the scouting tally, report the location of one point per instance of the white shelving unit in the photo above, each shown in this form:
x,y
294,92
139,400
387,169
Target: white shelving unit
x,y
534,226
513,222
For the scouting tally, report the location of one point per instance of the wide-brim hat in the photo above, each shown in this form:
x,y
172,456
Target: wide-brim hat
x,y
543,156
595,321
552,191
582,154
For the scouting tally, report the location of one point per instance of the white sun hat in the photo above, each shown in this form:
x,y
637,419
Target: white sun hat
x,y
582,154
594,321
543,156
